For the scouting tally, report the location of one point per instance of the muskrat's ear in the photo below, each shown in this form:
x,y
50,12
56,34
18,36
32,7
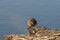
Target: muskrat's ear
x,y
31,22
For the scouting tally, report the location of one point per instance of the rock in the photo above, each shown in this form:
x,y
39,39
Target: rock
x,y
41,34
36,29
18,37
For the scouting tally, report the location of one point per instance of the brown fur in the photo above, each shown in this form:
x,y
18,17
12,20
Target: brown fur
x,y
31,22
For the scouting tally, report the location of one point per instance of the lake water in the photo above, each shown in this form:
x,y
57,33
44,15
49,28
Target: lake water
x,y
14,15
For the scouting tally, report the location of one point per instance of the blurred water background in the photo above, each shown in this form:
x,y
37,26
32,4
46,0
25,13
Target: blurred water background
x,y
14,15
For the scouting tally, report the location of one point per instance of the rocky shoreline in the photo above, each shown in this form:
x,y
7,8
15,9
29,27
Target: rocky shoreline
x,y
40,35
35,33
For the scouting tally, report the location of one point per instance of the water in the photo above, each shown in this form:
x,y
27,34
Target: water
x,y
14,15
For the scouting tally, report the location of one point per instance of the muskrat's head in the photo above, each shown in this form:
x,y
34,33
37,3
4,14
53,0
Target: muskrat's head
x,y
31,22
